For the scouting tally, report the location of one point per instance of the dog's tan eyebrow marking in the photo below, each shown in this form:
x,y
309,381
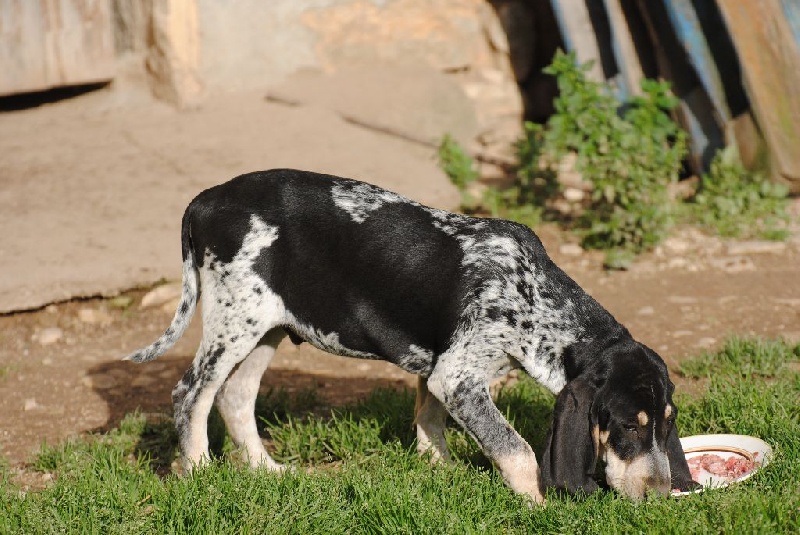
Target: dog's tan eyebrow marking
x,y
668,411
643,419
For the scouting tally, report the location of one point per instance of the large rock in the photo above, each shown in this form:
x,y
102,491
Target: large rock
x,y
193,45
161,37
417,103
55,43
443,33
463,38
173,55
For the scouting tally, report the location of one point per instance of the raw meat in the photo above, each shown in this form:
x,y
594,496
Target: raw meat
x,y
733,467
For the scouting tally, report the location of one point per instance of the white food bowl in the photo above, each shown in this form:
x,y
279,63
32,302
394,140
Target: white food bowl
x,y
726,446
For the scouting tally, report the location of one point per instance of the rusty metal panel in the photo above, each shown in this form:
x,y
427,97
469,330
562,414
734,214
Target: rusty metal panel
x,y
770,61
51,43
578,34
688,28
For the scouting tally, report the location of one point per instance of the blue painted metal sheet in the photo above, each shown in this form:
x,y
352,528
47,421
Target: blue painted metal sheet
x,y
686,23
791,9
578,33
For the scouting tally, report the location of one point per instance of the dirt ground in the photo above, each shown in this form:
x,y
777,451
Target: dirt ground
x,y
79,385
685,297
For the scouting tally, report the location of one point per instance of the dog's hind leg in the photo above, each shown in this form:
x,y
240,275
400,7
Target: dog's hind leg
x,y
194,395
237,398
230,334
430,417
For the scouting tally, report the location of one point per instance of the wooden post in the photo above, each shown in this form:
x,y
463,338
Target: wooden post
x,y
770,61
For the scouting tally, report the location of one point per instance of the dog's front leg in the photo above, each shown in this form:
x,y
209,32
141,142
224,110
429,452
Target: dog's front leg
x,y
465,394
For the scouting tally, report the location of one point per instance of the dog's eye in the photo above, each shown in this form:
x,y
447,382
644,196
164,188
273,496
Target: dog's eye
x,y
631,428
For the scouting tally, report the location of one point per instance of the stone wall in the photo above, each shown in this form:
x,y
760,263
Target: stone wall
x,y
193,48
55,43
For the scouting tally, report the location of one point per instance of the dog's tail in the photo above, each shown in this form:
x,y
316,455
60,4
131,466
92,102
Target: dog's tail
x,y
188,304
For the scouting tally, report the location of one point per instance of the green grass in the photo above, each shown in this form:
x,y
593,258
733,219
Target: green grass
x,y
736,203
5,371
358,472
743,356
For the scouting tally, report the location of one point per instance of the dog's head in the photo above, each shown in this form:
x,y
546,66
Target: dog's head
x,y
623,416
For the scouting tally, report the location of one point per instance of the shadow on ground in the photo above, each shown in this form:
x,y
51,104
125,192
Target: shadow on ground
x,y
284,394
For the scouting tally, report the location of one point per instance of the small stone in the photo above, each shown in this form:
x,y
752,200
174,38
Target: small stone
x,y
646,311
143,380
733,264
95,316
121,301
47,361
562,206
756,247
476,190
681,334
100,381
567,174
574,194
706,342
48,336
677,262
570,249
30,404
793,302
160,295
675,245
683,189
682,299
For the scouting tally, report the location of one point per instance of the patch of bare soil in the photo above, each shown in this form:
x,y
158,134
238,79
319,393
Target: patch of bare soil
x,y
61,373
93,208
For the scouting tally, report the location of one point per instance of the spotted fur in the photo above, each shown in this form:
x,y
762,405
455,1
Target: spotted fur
x,y
359,271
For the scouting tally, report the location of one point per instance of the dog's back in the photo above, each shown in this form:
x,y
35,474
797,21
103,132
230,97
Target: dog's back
x,y
358,270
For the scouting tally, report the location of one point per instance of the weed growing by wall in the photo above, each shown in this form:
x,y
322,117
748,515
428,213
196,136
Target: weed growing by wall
x,y
630,154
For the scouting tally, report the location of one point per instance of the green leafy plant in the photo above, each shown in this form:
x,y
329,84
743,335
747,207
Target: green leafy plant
x,y
459,168
525,200
522,201
629,156
738,204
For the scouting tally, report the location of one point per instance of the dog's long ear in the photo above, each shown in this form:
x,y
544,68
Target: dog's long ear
x,y
571,449
680,477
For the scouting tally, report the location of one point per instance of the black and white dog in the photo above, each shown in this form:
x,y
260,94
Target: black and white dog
x,y
359,271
